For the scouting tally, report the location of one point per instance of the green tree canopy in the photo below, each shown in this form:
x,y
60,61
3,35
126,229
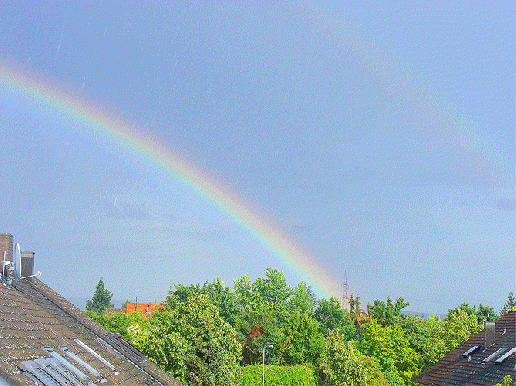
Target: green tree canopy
x,y
303,299
259,328
269,292
387,313
458,327
191,341
482,313
425,336
101,299
331,315
221,296
510,304
302,341
342,364
390,346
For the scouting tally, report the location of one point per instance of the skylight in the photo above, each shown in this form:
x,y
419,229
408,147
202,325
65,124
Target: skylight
x,y
495,354
470,351
505,356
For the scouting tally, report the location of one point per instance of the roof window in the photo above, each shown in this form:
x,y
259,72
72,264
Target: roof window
x,y
505,356
471,351
495,354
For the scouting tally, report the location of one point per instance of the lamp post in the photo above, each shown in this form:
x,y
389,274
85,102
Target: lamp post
x,y
263,363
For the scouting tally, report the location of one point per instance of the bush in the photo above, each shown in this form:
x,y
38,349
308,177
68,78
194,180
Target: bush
x,y
278,376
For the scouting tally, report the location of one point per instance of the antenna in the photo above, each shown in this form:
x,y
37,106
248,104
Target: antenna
x,y
17,261
345,296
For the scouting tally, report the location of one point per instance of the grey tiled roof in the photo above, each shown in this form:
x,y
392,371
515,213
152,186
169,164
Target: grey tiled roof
x,y
39,328
481,365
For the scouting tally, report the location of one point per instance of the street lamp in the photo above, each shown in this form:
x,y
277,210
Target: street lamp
x,y
263,363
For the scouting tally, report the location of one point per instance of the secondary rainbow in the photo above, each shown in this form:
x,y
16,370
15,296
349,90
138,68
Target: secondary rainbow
x,y
454,131
69,106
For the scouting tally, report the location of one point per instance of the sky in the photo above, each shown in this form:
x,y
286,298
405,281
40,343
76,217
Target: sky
x,y
163,142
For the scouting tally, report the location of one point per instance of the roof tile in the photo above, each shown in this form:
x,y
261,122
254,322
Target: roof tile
x,y
479,368
33,316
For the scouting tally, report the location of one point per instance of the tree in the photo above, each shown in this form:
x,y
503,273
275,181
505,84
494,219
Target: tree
x,y
273,289
101,299
387,313
354,308
342,364
224,298
510,304
425,336
259,328
221,296
391,348
486,312
506,381
120,322
329,314
302,341
482,313
458,327
303,299
191,341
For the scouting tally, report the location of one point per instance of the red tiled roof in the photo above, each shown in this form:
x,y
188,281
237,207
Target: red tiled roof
x,y
481,367
146,309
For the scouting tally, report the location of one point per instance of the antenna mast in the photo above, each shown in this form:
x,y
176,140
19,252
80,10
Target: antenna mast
x,y
345,296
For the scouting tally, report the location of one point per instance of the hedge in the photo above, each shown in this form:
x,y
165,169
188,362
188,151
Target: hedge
x,y
298,375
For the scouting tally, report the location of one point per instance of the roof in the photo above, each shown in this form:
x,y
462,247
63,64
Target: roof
x,y
472,363
146,309
45,340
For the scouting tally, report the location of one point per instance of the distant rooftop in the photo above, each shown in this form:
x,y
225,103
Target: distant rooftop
x,y
484,359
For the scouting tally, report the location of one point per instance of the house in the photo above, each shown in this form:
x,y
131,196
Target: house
x,y
146,309
45,340
484,359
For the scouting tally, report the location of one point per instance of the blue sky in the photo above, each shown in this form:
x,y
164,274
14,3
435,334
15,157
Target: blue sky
x,y
379,134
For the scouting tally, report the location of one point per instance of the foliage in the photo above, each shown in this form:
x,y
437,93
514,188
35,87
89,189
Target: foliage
x,y
330,314
119,322
387,313
205,332
101,298
506,381
302,341
269,293
278,375
483,312
510,304
343,364
259,328
354,308
458,327
425,336
390,346
272,312
221,296
302,299
190,340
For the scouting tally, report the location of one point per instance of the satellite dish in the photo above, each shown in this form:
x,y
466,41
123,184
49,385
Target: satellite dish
x,y
17,261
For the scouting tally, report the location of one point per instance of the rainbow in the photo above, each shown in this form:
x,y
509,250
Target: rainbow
x,y
448,126
79,111
455,132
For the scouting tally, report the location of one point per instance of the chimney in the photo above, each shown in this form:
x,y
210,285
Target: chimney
x,y
27,263
6,244
489,333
